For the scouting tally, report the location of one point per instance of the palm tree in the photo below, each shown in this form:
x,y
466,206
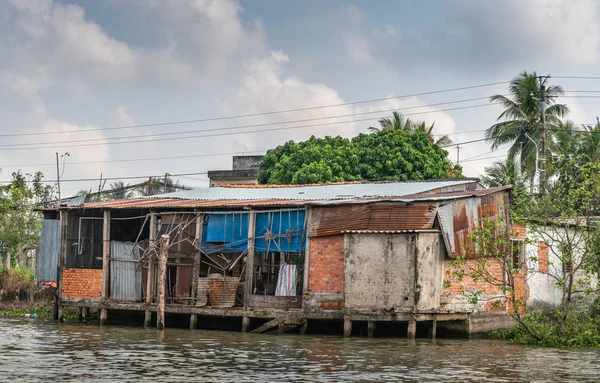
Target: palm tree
x,y
442,141
502,173
399,122
520,124
120,190
158,186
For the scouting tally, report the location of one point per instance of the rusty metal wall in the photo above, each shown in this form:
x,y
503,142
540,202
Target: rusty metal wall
x,y
460,219
125,273
380,216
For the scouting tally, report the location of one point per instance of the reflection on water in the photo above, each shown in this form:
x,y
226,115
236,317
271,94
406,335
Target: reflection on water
x,y
34,349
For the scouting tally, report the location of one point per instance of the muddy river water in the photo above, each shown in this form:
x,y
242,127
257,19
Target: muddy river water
x,y
42,350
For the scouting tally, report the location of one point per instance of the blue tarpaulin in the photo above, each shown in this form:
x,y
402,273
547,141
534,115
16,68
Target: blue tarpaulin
x,y
228,233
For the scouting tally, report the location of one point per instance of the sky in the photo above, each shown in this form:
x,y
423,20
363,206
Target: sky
x,y
77,75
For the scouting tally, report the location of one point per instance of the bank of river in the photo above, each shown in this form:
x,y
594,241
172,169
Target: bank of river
x,y
34,350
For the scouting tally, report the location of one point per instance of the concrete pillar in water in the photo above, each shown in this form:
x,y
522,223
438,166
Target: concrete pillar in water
x,y
147,318
371,329
347,328
85,313
304,327
434,329
80,314
412,329
245,324
103,317
61,313
193,321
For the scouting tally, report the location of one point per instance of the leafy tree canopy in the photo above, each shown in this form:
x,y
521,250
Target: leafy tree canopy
x,y
387,154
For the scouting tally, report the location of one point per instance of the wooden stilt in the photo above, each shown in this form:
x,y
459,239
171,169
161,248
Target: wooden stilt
x,y
371,329
304,327
162,276
347,328
245,324
412,329
85,313
103,317
193,321
106,256
434,329
147,318
150,273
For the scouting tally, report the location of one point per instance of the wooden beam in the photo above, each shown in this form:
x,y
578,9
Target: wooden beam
x,y
106,256
150,273
162,277
268,326
250,258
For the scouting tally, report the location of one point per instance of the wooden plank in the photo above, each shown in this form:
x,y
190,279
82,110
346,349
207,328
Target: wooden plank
x,y
250,258
268,326
197,255
106,255
162,278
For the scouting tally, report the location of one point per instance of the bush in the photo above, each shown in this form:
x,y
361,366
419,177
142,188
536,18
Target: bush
x,y
19,278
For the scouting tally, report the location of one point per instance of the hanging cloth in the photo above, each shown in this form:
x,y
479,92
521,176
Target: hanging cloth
x,y
286,282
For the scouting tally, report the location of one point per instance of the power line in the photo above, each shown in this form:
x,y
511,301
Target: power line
x,y
261,113
578,77
232,133
117,178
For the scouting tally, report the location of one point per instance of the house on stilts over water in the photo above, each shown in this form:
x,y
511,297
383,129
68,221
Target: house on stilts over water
x,y
352,256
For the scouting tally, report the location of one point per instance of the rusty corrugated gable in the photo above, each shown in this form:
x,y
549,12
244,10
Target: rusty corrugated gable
x,y
382,216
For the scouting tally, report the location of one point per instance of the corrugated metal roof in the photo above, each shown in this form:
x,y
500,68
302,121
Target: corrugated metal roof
x,y
390,231
316,192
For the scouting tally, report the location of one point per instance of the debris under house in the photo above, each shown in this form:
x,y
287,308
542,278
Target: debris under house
x,y
279,258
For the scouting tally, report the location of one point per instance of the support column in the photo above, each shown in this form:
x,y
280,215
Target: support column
x,y
245,324
412,329
434,329
80,314
280,328
304,327
61,313
371,329
249,258
197,255
85,314
347,328
106,256
162,277
103,316
62,260
193,321
150,274
305,286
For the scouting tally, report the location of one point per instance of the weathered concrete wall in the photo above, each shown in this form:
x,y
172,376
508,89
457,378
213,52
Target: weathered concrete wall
x,y
380,271
246,162
430,273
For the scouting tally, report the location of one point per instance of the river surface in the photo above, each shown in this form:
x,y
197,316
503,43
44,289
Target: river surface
x,y
42,350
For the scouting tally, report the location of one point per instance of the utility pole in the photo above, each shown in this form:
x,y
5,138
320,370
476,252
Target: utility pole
x,y
458,154
58,180
165,188
542,160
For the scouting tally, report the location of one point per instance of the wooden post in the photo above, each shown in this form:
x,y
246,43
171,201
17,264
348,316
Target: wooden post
x,y
347,328
434,328
249,258
103,316
62,261
150,274
106,256
197,255
162,277
371,329
193,321
245,324
61,313
307,252
85,314
412,329
304,327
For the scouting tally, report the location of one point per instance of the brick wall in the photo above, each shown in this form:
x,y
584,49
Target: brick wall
x,y
82,283
326,270
467,283
326,264
542,256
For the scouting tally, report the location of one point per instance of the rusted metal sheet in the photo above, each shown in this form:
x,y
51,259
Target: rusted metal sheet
x,y
377,217
460,219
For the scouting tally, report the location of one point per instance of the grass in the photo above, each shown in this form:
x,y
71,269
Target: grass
x,y
18,278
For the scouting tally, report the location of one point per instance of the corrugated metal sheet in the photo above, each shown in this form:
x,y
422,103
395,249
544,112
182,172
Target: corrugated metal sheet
x,y
125,275
389,231
47,256
76,201
334,220
460,219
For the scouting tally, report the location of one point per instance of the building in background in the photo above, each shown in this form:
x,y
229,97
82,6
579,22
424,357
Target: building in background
x,y
244,172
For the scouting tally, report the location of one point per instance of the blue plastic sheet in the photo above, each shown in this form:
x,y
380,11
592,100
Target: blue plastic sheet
x,y
225,233
286,228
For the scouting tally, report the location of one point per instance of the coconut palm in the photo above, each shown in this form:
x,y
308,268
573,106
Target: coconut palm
x,y
502,173
399,122
519,124
443,140
120,190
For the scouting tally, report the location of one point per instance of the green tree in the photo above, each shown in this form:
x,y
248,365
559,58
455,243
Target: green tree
x,y
520,123
394,154
20,222
120,190
502,173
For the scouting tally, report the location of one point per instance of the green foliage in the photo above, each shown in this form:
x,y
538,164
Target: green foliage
x,y
393,153
20,223
41,313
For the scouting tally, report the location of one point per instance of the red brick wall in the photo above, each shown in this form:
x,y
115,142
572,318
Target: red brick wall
x,y
326,264
82,283
542,255
467,283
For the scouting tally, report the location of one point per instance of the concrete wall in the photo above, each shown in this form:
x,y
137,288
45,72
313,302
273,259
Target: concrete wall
x,y
379,271
430,273
246,162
